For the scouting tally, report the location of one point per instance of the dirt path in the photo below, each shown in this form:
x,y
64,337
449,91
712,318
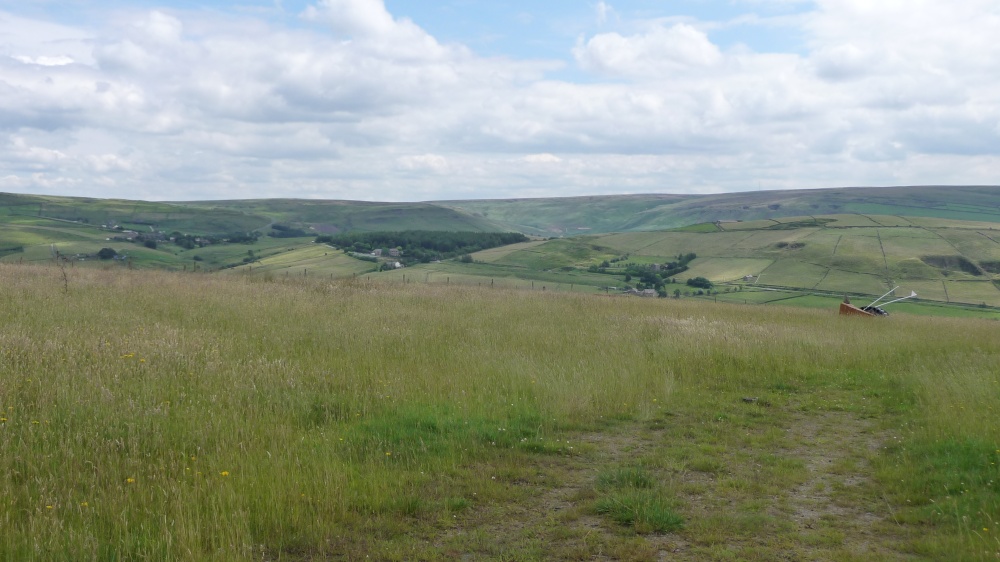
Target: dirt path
x,y
795,486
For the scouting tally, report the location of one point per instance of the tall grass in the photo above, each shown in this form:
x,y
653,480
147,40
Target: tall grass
x,y
171,416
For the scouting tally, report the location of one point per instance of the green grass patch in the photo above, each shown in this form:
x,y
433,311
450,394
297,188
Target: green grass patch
x,y
629,477
645,511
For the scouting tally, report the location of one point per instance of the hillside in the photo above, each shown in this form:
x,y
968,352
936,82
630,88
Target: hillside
x,y
627,213
949,262
38,228
328,217
947,248
560,216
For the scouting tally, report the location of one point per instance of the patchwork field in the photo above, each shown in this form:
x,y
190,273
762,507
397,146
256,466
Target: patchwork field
x,y
793,238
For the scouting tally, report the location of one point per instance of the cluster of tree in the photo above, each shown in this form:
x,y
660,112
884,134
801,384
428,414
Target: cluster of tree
x,y
699,282
106,253
191,241
650,276
285,231
422,246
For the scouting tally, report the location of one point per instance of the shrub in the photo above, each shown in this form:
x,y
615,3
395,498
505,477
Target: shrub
x,y
699,282
106,253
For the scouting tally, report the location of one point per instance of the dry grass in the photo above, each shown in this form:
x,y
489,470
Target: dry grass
x,y
171,416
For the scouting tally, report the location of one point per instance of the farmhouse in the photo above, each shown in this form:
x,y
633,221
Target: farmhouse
x,y
642,293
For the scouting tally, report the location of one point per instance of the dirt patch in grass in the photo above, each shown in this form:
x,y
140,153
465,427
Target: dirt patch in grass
x,y
783,484
839,504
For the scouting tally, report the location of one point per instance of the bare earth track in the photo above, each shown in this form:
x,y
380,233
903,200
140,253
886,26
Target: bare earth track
x,y
808,495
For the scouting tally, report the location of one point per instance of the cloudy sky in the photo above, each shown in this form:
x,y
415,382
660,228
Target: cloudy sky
x,y
411,100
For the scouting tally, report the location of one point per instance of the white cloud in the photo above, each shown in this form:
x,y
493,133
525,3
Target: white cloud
x,y
425,162
544,158
369,24
43,60
353,102
660,50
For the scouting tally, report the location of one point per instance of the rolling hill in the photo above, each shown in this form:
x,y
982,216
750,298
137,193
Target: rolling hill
x,y
942,242
628,213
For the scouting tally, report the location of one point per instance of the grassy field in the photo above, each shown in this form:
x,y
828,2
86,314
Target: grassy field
x,y
164,416
317,260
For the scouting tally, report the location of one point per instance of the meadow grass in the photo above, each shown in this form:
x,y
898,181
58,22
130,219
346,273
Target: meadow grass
x,y
170,416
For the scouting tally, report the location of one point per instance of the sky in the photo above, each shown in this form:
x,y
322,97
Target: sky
x,y
419,100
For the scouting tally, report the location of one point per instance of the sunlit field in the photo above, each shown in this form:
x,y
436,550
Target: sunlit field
x,y
186,416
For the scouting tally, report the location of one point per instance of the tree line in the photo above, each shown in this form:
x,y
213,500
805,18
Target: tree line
x,y
422,246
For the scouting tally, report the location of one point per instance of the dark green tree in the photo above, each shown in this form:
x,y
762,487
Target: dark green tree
x,y
106,253
699,282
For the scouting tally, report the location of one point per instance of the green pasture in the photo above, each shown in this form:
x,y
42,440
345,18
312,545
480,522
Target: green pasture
x,y
891,220
634,242
793,273
705,227
725,269
977,245
748,225
483,274
935,222
855,221
860,252
907,233
495,254
907,247
847,282
29,232
919,213
830,303
767,240
668,245
973,292
912,269
165,415
216,256
581,251
314,260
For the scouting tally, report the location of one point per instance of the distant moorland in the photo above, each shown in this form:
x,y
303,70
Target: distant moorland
x,y
803,247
